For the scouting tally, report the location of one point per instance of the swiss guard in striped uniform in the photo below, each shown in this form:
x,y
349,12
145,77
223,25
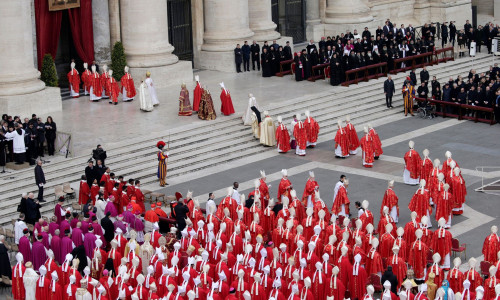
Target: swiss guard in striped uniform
x,y
162,162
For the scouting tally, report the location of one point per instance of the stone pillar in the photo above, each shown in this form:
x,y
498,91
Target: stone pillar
x,y
314,30
456,10
226,24
100,21
496,9
114,21
421,11
21,92
144,33
261,22
342,15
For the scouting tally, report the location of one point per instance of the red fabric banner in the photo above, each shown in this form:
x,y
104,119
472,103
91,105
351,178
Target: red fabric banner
x,y
80,20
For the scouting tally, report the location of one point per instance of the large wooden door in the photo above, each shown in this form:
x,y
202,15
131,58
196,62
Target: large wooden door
x,y
180,28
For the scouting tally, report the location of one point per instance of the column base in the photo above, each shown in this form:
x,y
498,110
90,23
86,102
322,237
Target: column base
x,y
315,32
42,102
164,76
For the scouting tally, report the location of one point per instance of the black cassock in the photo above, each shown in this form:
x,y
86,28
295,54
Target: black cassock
x,y
266,65
299,68
109,229
5,269
335,72
307,66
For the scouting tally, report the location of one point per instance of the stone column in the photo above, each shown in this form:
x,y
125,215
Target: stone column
x,y
102,42
341,15
114,21
421,11
21,92
496,9
144,33
261,22
226,24
17,74
314,30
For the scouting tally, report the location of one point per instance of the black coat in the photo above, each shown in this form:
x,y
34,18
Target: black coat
x,y
91,174
50,133
32,210
109,229
424,76
181,212
255,49
39,176
389,87
5,269
238,55
388,275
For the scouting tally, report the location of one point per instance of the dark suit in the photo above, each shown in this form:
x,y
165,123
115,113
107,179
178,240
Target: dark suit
x,y
389,92
40,181
32,211
181,212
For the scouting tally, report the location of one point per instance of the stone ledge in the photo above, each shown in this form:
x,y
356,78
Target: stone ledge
x,y
43,102
164,76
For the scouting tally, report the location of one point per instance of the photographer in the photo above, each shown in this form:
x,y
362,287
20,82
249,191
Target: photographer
x,y
99,154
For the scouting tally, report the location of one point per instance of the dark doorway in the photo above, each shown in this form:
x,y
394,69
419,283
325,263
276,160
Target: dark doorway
x,y
179,28
66,52
295,20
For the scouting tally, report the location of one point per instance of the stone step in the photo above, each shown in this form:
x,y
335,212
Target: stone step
x,y
194,135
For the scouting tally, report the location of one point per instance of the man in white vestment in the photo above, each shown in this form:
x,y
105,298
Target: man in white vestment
x,y
144,97
267,131
30,278
151,88
82,293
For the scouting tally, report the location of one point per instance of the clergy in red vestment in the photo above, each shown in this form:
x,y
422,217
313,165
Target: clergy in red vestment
x,y
84,193
112,88
377,144
357,279
352,137
318,281
284,187
420,204
308,293
459,191
42,285
491,245
341,142
197,94
257,290
391,201
55,289
418,256
104,78
128,87
95,85
387,241
226,102
385,219
311,187
436,269
374,260
448,165
334,287
426,166
441,243
367,149
398,265
472,275
412,166
489,284
435,180
282,137
74,82
401,243
341,202
18,291
444,205
69,290
300,134
455,276
86,79
312,130
344,265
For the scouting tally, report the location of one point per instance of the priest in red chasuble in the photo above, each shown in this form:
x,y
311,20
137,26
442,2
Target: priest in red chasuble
x,y
413,161
312,130
352,136
282,137
311,187
128,87
74,82
226,102
367,149
300,134
341,142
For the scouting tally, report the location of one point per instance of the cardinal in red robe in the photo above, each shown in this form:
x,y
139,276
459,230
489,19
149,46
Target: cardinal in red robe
x,y
357,279
95,86
352,137
284,187
18,270
226,102
459,191
312,130
412,165
420,203
341,142
86,79
84,193
455,276
444,205
42,291
309,191
441,243
341,201
367,149
491,246
112,88
300,134
334,287
128,87
282,137
377,144
74,82
426,166
418,256
55,289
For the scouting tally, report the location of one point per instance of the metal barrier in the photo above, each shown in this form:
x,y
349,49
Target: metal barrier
x,y
460,111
